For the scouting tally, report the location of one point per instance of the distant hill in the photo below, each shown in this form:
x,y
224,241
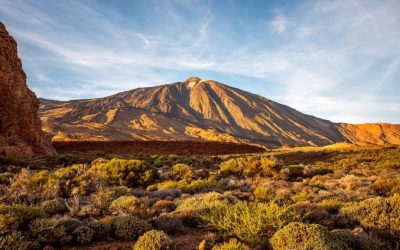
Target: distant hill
x,y
198,109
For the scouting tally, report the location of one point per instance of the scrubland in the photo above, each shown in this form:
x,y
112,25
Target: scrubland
x,y
309,198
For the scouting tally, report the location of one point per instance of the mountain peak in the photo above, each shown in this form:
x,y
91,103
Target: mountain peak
x,y
192,79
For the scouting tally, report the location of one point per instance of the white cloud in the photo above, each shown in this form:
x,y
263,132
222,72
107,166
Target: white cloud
x,y
279,24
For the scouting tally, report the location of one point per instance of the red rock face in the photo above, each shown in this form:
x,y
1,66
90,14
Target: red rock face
x,y
20,128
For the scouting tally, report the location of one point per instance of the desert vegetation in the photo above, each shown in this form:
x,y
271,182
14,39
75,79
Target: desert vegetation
x,y
305,198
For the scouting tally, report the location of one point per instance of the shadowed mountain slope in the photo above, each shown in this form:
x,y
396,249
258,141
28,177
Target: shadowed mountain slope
x,y
194,109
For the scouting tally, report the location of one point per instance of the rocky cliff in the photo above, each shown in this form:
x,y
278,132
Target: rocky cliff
x,y
20,126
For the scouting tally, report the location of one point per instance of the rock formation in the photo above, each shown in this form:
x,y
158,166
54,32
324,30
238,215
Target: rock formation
x,y
20,126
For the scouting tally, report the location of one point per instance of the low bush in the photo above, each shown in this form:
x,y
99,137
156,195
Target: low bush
x,y
263,194
386,186
291,172
331,205
17,241
169,223
17,217
182,172
248,167
154,240
375,213
301,236
205,201
101,229
83,235
251,223
55,206
131,173
128,227
301,196
231,245
53,231
128,205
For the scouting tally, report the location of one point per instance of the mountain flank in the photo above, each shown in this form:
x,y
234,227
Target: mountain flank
x,y
200,110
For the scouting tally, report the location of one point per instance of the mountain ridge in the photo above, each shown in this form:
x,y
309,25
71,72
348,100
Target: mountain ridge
x,y
195,109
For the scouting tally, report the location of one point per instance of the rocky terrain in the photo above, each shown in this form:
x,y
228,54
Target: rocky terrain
x,y
197,109
20,126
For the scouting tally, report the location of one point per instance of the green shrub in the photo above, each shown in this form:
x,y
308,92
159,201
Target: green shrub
x,y
128,205
386,186
55,206
231,245
17,217
128,227
5,178
363,241
375,213
17,241
301,236
292,172
75,180
52,231
154,240
253,223
182,172
83,235
131,173
196,186
205,201
331,205
248,166
301,196
101,229
170,223
263,194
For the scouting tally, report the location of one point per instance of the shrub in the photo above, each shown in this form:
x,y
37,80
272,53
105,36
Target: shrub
x,y
128,227
101,229
375,213
301,196
17,241
252,223
55,206
196,186
204,201
128,205
83,235
17,217
292,172
301,236
75,180
125,172
5,178
154,240
231,245
232,167
164,206
331,205
386,186
169,223
27,186
263,194
363,241
53,231
182,172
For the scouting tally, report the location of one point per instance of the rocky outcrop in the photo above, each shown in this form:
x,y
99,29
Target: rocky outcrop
x,y
20,126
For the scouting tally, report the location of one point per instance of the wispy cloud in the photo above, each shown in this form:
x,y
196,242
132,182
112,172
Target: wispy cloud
x,y
279,24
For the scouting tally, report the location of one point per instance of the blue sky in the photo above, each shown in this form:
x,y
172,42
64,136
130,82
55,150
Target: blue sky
x,y
335,59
